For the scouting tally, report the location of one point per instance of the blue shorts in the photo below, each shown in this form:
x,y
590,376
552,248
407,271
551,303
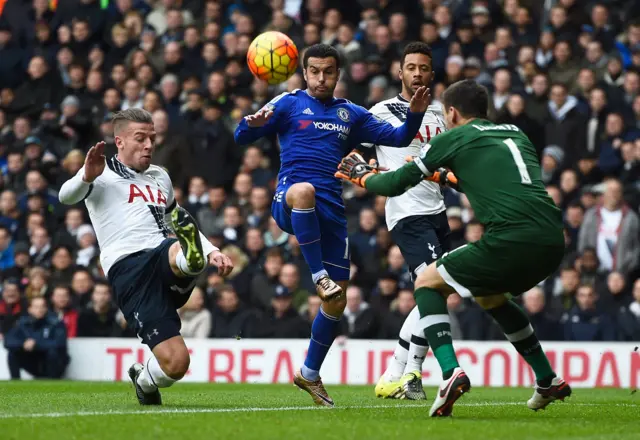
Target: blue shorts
x,y
333,228
148,293
422,239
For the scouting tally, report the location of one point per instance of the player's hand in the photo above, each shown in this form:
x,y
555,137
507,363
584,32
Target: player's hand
x,y
420,100
94,162
222,262
355,169
260,118
442,175
373,162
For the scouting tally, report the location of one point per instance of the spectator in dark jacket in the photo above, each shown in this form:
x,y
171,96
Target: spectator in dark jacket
x,y
99,320
359,320
584,322
12,66
545,327
565,126
391,323
628,318
43,86
230,318
284,321
37,344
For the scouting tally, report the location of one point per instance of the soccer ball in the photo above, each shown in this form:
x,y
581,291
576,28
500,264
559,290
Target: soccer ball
x,y
272,57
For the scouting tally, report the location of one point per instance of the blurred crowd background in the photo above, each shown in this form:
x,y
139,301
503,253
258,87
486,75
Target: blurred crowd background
x,y
567,72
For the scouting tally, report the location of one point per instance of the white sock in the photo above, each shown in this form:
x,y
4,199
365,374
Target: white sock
x,y
417,354
419,345
398,363
153,377
181,262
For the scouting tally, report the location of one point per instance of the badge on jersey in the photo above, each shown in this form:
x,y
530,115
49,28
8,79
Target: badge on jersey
x,y
343,114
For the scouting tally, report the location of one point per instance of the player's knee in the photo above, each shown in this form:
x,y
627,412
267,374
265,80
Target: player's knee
x,y
173,357
431,279
425,279
176,366
301,195
335,307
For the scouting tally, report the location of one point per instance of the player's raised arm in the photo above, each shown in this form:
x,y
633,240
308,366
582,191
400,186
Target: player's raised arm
x,y
80,186
264,122
375,131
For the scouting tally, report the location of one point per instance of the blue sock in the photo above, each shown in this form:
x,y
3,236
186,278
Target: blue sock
x,y
307,229
323,332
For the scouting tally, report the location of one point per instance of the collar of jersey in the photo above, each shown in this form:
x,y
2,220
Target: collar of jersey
x,y
402,98
115,157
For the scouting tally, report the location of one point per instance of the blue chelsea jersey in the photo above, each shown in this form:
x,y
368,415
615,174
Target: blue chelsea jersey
x,y
315,135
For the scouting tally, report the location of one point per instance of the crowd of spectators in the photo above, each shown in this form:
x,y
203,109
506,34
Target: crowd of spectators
x,y
569,76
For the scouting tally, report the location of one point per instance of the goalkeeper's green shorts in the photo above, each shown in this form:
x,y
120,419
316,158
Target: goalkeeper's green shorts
x,y
493,266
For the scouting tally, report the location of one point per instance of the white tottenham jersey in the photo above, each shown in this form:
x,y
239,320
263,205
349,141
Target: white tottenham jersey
x,y
127,209
426,197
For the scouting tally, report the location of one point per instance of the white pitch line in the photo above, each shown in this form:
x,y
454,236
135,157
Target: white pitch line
x,y
53,415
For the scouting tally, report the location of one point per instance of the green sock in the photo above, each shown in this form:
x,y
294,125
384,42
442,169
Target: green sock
x,y
433,306
517,328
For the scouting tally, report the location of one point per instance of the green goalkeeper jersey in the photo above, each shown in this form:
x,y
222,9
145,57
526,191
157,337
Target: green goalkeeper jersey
x,y
498,170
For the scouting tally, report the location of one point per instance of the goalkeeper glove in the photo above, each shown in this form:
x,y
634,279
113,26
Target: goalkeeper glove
x,y
355,169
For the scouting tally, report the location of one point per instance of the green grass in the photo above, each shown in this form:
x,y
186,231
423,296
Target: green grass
x,y
76,410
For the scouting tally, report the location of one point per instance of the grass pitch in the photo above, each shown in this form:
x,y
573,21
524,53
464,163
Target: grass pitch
x,y
109,411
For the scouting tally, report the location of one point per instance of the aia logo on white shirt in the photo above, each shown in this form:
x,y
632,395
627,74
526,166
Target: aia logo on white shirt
x,y
147,194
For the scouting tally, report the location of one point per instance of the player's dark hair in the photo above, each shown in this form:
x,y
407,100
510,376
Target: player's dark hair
x,y
469,98
123,118
321,51
416,47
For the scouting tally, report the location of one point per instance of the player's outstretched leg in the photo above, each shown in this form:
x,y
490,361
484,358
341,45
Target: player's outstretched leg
x,y
192,260
430,294
324,330
169,364
403,376
412,377
152,396
301,198
517,328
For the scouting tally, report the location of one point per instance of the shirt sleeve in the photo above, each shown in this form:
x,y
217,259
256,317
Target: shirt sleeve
x,y
373,130
76,189
281,106
440,151
375,111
